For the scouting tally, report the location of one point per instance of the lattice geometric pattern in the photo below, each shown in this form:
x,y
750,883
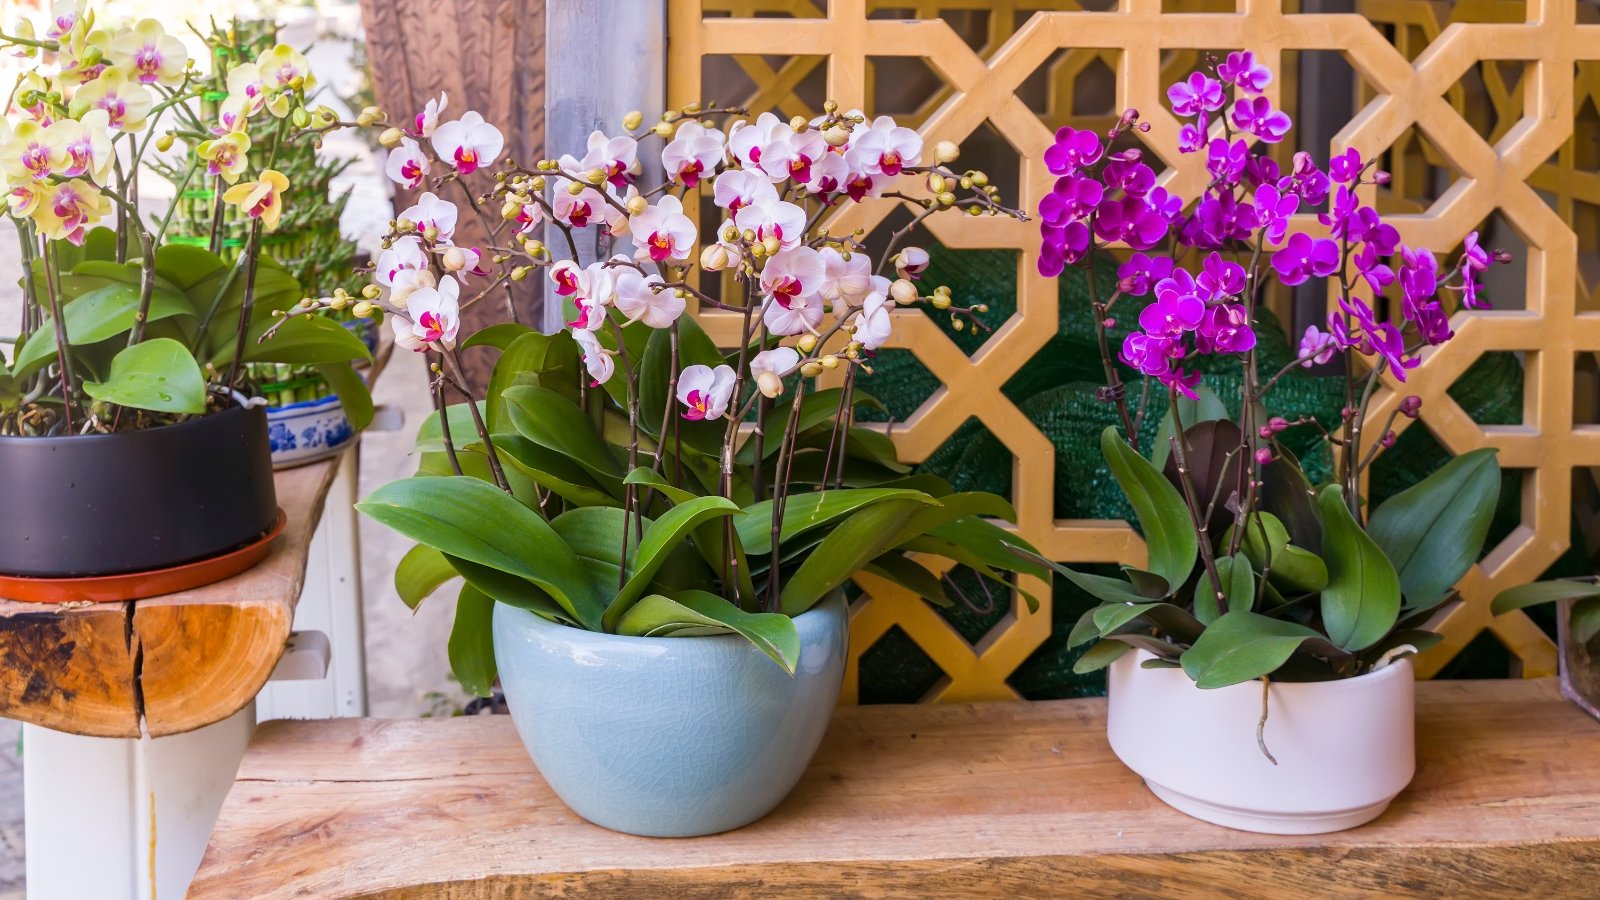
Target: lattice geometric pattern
x,y
1527,170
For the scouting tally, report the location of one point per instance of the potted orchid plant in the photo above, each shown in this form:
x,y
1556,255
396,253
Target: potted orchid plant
x,y
124,420
1272,623
653,532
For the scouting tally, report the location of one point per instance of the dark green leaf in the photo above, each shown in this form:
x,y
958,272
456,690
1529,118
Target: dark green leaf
x,y
551,420
511,590
497,336
911,575
1168,530
555,471
699,612
811,509
299,341
1238,588
859,539
1362,600
546,360
1206,407
1099,656
354,398
1242,646
1434,530
1540,592
474,520
660,539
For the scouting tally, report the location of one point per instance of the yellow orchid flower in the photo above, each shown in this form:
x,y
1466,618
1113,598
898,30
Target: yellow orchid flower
x,y
226,156
84,145
261,199
28,154
285,68
150,54
69,209
23,199
126,102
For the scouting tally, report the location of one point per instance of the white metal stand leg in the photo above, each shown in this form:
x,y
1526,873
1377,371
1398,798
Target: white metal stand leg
x,y
331,604
108,818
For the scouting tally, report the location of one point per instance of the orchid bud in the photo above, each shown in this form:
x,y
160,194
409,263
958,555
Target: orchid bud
x,y
1411,406
664,129
300,117
369,117
1380,178
772,244
1387,440
807,343
937,183
338,302
362,309
1265,432
946,199
1278,423
903,292
595,176
575,187
431,233
1263,456
519,273
759,251
830,361
980,179
454,259
946,152
510,210
633,120
371,292
164,143
940,301
798,123
714,258
637,204
391,137
811,370
836,135
769,384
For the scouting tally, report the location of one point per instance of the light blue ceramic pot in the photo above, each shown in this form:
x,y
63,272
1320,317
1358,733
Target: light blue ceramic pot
x,y
669,737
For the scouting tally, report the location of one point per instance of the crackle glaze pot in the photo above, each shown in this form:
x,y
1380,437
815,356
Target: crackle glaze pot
x,y
669,737
1344,749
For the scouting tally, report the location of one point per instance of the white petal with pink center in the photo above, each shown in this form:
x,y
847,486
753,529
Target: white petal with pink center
x,y
427,121
790,154
799,315
911,262
407,282
884,148
662,233
793,273
829,175
580,210
736,189
747,141
706,391
874,326
774,218
468,143
640,302
693,154
616,157
435,317
407,164
433,210
403,253
595,358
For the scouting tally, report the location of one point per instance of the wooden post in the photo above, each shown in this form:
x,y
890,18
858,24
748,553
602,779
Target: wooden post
x,y
603,58
487,55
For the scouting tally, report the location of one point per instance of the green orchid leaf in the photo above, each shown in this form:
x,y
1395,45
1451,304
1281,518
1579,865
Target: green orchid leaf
x,y
1242,646
1585,609
1361,602
1148,584
709,536
803,511
471,646
512,590
300,341
159,375
911,575
1238,588
1585,620
544,360
497,336
1099,656
660,538
556,472
995,545
551,420
860,538
1434,530
1168,531
690,613
478,522
420,572
354,398
1286,494
656,373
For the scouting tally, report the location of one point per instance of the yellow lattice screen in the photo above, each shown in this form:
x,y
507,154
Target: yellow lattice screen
x,y
1477,105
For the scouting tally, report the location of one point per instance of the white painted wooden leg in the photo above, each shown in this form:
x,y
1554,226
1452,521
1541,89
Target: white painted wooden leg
x,y
109,818
330,604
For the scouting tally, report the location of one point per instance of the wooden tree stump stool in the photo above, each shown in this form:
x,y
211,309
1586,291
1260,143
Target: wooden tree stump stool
x,y
998,799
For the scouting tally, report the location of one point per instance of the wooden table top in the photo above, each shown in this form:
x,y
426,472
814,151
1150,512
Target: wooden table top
x,y
1013,799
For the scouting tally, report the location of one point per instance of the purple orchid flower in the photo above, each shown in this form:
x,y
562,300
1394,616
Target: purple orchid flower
x,y
1140,273
1256,115
1072,150
1200,93
1225,329
1304,257
1241,69
1072,198
1317,347
1273,209
1220,277
1346,167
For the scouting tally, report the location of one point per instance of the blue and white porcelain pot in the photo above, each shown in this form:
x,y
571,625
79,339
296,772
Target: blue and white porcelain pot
x,y
669,736
307,431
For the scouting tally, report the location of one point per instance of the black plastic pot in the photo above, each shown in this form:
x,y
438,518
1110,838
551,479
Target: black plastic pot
x,y
135,501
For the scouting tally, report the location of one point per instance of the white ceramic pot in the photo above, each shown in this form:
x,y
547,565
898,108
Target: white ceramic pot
x,y
1344,749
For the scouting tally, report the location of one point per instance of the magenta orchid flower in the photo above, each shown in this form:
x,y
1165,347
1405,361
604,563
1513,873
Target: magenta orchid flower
x,y
1305,257
1256,115
1199,93
1072,150
1317,347
1242,70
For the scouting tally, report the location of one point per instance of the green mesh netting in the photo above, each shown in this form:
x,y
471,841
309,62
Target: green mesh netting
x,y
1056,391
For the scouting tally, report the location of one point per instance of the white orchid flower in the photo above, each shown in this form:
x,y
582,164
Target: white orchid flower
x,y
432,210
407,164
596,359
693,153
469,142
640,302
706,391
769,366
662,233
435,318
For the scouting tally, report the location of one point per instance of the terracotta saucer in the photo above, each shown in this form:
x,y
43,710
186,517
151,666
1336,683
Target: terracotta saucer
x,y
139,585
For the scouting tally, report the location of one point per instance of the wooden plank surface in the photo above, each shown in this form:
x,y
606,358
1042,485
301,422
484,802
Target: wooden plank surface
x,y
1017,799
182,660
